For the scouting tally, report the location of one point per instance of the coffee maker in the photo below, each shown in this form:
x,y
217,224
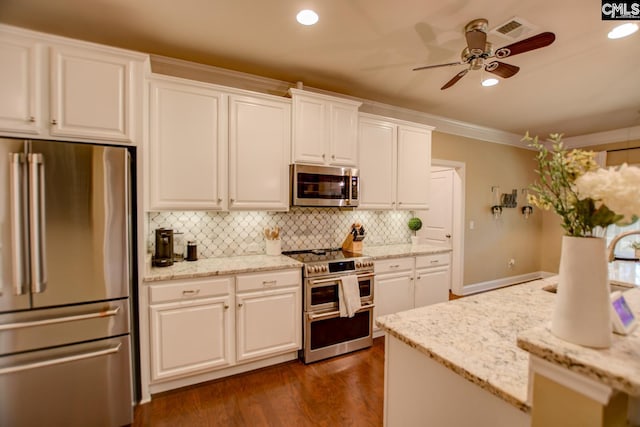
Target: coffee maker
x,y
164,248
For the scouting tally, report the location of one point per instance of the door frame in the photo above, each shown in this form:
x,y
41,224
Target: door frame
x,y
457,240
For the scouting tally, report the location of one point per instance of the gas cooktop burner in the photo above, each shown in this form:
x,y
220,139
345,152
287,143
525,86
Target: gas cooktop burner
x,y
321,255
321,262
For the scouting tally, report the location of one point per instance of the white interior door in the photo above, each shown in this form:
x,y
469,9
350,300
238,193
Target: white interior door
x,y
438,220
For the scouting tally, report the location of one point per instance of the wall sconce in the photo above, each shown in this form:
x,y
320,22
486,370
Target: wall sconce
x,y
496,202
527,209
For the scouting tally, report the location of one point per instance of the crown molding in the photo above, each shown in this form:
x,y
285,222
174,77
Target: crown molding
x,y
608,137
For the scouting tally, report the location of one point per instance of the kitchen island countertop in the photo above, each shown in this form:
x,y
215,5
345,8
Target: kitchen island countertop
x,y
479,338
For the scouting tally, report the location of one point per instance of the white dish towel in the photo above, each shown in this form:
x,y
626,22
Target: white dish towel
x,y
349,296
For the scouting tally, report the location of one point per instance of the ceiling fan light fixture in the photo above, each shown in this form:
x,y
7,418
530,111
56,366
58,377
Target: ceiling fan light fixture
x,y
490,81
307,17
623,30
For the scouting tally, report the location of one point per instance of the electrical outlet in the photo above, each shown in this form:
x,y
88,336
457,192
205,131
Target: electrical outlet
x,y
511,263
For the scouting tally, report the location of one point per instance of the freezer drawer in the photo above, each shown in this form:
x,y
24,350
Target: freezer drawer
x,y
79,385
38,329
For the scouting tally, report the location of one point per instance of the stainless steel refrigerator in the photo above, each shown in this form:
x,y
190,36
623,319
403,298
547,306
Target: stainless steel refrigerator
x,y
65,256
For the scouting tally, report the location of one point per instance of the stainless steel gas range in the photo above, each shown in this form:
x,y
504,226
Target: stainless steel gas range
x,y
326,334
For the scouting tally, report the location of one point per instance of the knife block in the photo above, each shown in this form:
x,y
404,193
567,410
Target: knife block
x,y
349,245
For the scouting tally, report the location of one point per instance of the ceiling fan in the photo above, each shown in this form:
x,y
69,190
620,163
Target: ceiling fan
x,y
479,50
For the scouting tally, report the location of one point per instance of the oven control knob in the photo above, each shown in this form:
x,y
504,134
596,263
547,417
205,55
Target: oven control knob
x,y
323,268
358,264
311,269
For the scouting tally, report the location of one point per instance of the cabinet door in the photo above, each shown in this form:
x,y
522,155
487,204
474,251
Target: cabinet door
x,y
91,94
187,153
414,167
432,286
393,293
20,92
377,165
310,129
259,147
190,336
343,136
268,323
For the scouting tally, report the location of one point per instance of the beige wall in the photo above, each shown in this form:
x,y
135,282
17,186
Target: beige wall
x,y
490,245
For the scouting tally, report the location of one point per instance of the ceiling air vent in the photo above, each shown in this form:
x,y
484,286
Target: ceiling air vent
x,y
514,29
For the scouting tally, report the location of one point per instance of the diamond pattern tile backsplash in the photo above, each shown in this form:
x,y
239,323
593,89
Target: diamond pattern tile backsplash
x,y
239,233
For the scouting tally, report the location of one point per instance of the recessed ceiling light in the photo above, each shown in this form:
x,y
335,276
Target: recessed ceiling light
x,y
490,82
623,30
307,17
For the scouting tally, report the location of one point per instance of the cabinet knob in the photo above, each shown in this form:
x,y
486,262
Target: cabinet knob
x,y
448,236
219,201
32,119
333,156
226,307
54,122
231,201
323,156
239,304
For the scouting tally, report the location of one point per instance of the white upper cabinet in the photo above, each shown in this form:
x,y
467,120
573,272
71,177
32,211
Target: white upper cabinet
x,y
259,150
378,149
325,129
187,145
91,95
63,89
20,91
414,167
395,164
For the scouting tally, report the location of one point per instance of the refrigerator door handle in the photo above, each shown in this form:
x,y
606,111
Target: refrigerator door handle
x,y
100,314
16,190
67,359
36,222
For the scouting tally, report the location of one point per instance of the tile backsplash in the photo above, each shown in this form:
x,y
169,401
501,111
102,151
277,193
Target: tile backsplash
x,y
239,233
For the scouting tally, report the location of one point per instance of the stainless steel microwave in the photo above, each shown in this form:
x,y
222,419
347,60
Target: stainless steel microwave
x,y
325,186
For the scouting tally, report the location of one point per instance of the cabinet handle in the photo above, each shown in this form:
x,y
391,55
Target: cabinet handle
x,y
394,266
32,119
434,261
399,203
191,292
269,282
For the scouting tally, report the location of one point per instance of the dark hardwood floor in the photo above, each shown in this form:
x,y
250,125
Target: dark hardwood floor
x,y
342,391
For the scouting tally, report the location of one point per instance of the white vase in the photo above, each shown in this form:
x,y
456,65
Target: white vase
x,y
582,314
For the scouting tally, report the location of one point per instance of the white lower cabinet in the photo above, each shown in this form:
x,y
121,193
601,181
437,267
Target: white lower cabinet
x,y
268,314
195,327
192,332
410,282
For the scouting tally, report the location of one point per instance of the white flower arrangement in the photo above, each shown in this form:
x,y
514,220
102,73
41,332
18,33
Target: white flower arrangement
x,y
584,195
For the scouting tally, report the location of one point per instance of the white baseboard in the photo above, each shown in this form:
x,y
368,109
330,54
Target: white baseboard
x,y
501,283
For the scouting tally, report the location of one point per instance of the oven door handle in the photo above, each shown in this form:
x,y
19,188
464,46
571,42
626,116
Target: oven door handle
x,y
313,317
337,279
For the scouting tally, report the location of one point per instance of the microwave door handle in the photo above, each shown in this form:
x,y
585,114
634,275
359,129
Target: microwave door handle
x,y
37,222
350,188
16,190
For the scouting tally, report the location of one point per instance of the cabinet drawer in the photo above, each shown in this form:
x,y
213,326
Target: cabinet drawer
x,y
434,260
190,289
393,265
268,280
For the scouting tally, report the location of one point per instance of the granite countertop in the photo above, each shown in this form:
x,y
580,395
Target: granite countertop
x,y
617,366
220,266
476,336
401,250
252,263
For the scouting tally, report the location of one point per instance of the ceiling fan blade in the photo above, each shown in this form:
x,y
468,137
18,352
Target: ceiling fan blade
x,y
426,67
476,34
455,79
535,42
501,69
